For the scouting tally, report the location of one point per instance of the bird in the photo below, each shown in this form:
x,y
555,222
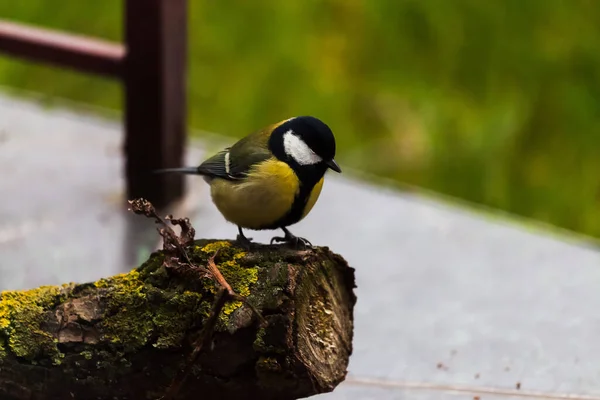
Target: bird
x,y
271,178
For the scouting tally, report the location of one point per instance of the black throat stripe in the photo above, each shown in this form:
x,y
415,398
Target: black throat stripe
x,y
298,206
307,184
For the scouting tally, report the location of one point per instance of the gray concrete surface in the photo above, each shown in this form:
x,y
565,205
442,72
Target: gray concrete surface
x,y
450,304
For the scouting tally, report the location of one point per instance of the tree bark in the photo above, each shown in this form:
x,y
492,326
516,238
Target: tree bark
x,y
128,336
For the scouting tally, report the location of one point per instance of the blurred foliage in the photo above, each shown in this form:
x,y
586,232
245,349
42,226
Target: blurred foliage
x,y
497,102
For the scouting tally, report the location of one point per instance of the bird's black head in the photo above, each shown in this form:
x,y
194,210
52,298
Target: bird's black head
x,y
306,144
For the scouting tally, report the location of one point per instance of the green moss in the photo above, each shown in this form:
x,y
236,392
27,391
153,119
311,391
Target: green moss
x,y
140,313
128,321
171,324
241,278
211,248
272,280
259,342
149,306
21,314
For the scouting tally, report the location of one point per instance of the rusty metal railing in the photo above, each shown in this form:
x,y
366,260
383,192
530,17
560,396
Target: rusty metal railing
x,y
152,67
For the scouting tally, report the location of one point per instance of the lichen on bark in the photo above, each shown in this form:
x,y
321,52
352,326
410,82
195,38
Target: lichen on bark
x,y
129,334
241,278
137,308
137,311
21,316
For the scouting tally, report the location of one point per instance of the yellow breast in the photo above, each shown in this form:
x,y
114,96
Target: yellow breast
x,y
260,200
312,199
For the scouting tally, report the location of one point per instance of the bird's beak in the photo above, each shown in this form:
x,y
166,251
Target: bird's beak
x,y
334,166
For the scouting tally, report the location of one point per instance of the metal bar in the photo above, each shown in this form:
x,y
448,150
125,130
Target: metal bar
x,y
62,49
155,97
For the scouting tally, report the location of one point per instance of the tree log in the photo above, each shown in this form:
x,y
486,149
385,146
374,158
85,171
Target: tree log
x,y
129,336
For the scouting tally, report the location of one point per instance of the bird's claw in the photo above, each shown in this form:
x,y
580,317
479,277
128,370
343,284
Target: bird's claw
x,y
244,241
277,239
294,240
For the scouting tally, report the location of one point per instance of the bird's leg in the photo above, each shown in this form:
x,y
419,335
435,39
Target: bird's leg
x,y
242,239
291,238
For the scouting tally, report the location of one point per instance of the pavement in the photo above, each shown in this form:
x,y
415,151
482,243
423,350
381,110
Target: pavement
x,y
453,303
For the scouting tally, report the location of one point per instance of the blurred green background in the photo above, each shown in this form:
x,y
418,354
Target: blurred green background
x,y
496,102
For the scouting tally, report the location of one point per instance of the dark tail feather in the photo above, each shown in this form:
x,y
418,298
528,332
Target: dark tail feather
x,y
184,170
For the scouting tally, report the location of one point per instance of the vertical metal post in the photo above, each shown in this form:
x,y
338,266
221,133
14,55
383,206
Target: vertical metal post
x,y
155,97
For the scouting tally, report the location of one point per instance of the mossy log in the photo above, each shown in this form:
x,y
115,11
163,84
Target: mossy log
x,y
128,336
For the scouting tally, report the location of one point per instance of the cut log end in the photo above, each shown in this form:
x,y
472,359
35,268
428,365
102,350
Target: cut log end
x,y
128,336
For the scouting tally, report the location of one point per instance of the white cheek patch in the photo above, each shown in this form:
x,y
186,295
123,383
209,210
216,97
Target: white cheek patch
x,y
299,150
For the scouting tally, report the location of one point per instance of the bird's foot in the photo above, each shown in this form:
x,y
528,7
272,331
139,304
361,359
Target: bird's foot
x,y
242,240
296,241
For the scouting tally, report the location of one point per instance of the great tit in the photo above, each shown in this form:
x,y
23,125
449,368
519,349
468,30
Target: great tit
x,y
272,178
